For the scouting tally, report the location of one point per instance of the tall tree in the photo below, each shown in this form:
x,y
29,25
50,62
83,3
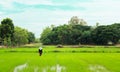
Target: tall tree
x,y
7,30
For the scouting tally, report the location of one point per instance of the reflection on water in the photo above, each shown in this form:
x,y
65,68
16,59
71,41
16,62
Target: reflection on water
x,y
98,68
56,68
20,67
36,69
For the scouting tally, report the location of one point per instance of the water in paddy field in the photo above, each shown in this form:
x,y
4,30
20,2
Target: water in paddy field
x,y
98,68
56,68
20,67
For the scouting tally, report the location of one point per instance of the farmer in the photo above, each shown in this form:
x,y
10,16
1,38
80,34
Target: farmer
x,y
40,51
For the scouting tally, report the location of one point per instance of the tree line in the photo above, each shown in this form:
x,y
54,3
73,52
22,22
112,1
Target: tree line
x,y
11,35
78,32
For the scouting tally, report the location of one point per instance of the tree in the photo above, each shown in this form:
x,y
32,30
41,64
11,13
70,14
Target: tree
x,y
44,36
78,32
31,37
82,22
63,34
75,36
86,38
20,36
116,26
0,36
75,21
81,28
97,24
7,42
102,35
37,40
7,30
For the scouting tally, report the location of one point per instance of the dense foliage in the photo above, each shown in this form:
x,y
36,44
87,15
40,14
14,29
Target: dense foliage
x,y
12,36
7,31
81,34
104,35
75,32
64,34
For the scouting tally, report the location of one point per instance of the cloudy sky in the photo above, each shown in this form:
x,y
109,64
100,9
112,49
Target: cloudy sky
x,y
35,15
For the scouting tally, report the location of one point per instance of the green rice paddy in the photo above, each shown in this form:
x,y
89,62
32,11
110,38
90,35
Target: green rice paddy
x,y
60,59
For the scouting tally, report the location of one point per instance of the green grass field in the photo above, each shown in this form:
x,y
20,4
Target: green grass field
x,y
60,60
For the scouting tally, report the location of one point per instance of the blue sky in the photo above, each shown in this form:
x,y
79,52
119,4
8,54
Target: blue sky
x,y
35,15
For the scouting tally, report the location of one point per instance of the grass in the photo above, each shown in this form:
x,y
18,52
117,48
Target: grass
x,y
70,59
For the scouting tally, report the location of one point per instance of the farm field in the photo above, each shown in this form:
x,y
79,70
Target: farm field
x,y
60,60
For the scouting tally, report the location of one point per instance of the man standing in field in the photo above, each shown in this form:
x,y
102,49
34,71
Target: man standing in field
x,y
40,51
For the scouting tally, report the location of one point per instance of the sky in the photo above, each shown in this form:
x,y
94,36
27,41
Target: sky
x,y
36,15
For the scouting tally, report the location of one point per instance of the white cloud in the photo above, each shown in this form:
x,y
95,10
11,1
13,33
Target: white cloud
x,y
9,3
6,3
32,2
103,11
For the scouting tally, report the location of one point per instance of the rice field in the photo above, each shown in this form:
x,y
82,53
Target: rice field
x,y
60,59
